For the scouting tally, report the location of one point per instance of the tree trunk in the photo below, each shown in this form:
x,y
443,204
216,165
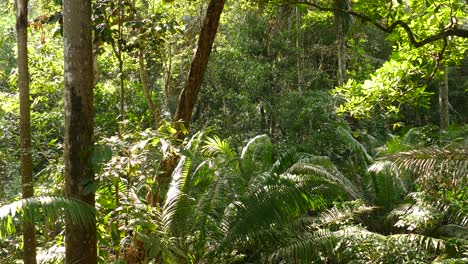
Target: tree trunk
x,y
189,93
27,187
341,41
300,48
443,100
144,83
80,241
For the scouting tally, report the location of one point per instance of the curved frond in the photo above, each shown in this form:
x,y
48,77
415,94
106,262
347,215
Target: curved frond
x,y
330,174
175,193
353,144
387,183
418,241
215,145
34,208
257,154
307,249
271,205
454,231
448,167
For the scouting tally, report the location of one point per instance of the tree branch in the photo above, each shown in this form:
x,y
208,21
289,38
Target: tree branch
x,y
453,30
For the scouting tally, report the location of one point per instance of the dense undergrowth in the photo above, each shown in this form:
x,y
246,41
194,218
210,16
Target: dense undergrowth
x,y
261,203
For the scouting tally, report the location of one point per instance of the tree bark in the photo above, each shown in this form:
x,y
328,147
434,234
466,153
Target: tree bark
x,y
80,241
443,100
341,40
144,83
300,48
189,93
27,187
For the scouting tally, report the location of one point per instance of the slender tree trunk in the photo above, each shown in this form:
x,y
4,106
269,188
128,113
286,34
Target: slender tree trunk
x,y
189,93
443,100
80,242
300,48
165,98
341,41
144,83
117,48
27,187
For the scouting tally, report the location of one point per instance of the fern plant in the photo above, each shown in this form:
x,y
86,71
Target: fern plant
x,y
412,209
41,208
221,205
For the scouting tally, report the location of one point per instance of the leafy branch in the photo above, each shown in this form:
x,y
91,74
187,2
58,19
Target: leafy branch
x,y
452,30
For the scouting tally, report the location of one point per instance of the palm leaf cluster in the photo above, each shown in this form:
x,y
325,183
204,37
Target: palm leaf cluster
x,y
221,206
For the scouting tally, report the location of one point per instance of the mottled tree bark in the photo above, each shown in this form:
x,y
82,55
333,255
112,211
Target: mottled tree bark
x,y
443,100
189,93
27,187
80,241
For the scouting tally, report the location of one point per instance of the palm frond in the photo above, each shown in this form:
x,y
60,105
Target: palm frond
x,y
271,205
419,241
47,207
353,144
452,230
257,155
448,167
328,172
175,194
343,215
307,249
387,183
214,145
54,254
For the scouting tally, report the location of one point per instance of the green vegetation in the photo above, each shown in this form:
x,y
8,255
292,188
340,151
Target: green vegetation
x,y
319,132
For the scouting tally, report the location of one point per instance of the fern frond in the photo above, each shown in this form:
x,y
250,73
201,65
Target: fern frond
x,y
418,241
268,206
454,231
344,214
387,183
214,145
33,208
331,174
307,249
175,194
353,144
257,153
436,165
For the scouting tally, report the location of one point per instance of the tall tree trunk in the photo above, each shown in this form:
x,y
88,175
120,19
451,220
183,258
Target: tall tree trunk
x,y
189,93
443,100
144,83
117,48
80,242
27,187
167,77
299,47
340,21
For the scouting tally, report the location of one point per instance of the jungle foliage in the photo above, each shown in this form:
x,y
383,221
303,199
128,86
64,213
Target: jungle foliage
x,y
315,137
